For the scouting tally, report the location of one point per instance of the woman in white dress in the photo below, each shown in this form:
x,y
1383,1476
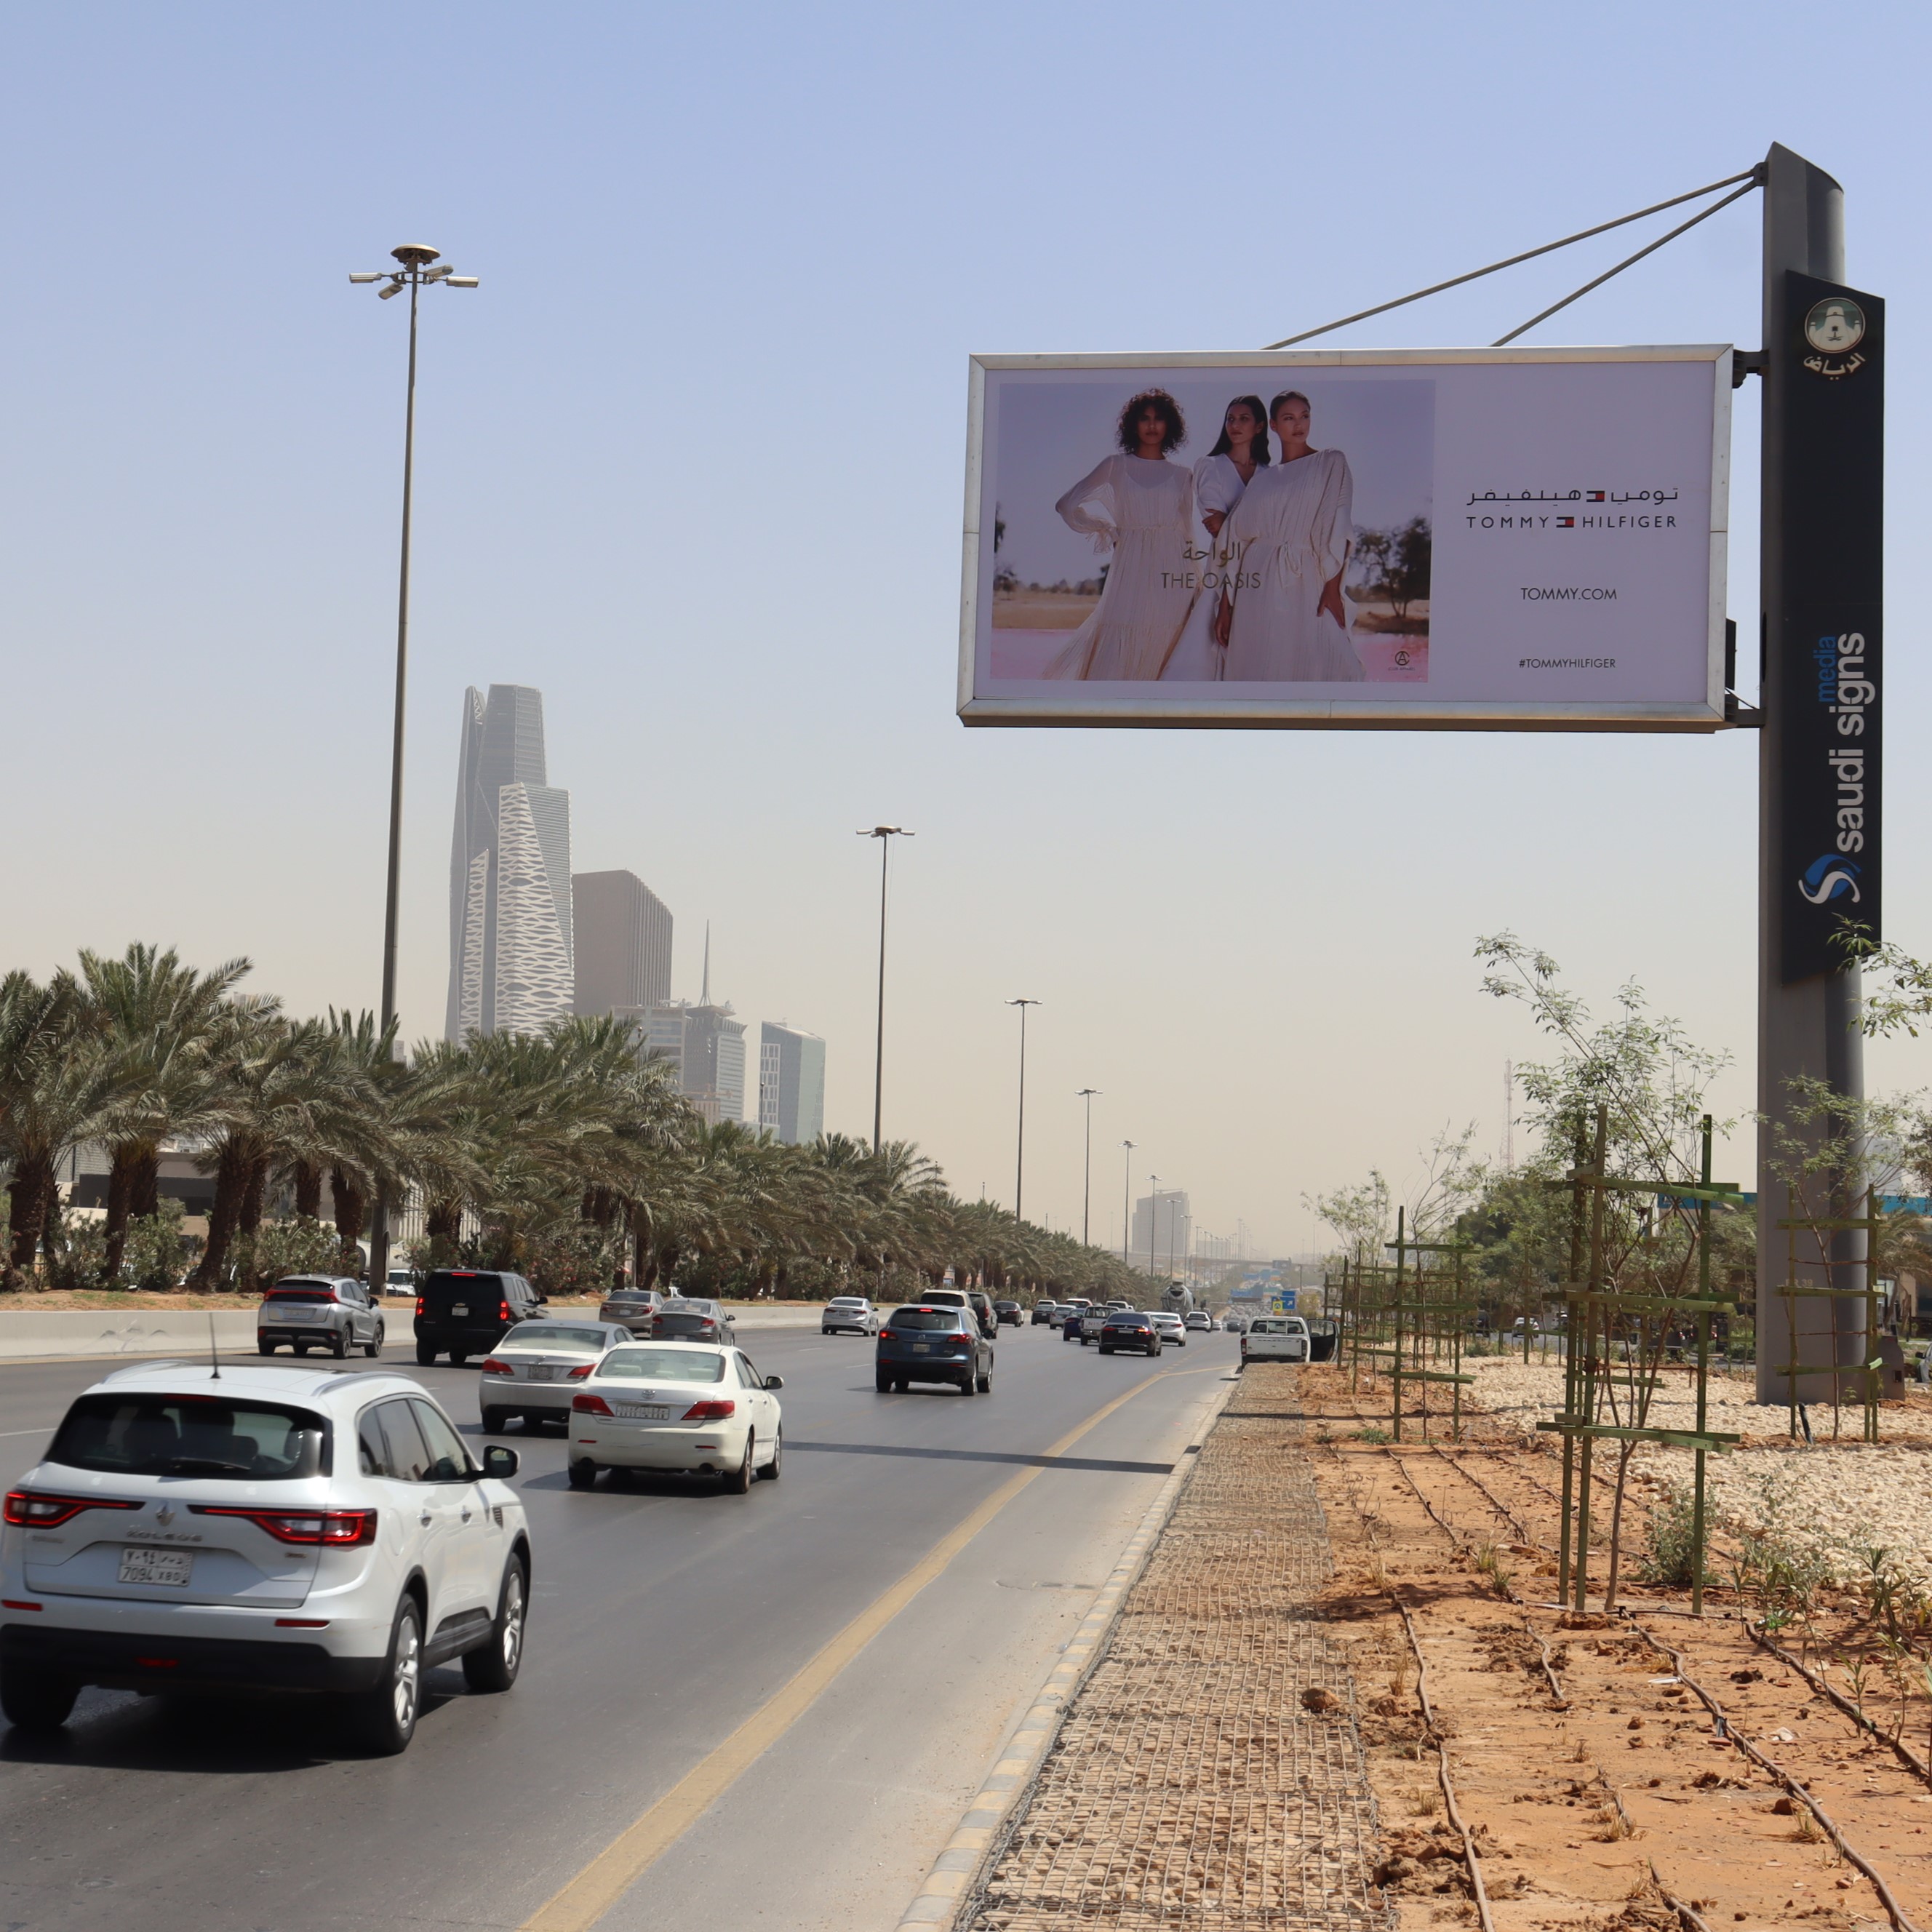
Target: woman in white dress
x,y
1282,618
1146,517
1219,478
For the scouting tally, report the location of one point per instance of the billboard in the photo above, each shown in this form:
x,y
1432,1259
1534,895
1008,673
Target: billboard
x,y
1479,539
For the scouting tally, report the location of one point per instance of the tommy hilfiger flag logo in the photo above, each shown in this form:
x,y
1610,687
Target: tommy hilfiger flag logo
x,y
1566,522
1593,496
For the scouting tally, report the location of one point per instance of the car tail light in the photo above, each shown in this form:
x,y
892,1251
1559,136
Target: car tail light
x,y
419,1304
721,1411
589,1405
15,1603
886,1335
492,1366
333,1529
502,1311
301,1623
577,1374
30,1509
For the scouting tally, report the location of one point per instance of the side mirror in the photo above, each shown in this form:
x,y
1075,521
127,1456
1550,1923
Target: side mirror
x,y
499,1461
774,1381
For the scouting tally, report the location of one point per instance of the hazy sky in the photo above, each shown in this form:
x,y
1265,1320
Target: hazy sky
x,y
690,461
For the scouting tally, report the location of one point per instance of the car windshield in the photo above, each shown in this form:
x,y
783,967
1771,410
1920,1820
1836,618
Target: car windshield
x,y
661,1365
191,1435
925,1318
555,1335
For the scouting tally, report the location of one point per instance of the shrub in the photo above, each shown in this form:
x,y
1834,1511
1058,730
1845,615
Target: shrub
x,y
1672,1556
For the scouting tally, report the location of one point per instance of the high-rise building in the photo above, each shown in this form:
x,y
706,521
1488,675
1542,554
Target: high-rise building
x,y
1163,1218
621,938
791,1082
511,963
707,1046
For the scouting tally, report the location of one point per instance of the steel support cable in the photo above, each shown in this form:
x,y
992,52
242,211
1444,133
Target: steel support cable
x,y
1753,176
1629,261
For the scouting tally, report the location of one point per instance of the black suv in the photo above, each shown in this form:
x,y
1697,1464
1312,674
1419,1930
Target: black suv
x,y
463,1312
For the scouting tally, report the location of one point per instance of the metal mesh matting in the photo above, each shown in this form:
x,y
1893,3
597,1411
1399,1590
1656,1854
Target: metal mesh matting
x,y
1189,1789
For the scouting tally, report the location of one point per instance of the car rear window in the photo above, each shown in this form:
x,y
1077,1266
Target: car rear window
x,y
1128,1317
478,1290
683,1307
947,1298
191,1435
308,1291
925,1318
555,1335
661,1365
846,1301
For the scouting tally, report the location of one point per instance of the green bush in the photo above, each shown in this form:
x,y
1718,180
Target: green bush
x,y
156,1255
1672,1557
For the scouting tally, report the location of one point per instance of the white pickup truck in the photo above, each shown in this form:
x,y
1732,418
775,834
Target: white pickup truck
x,y
1275,1338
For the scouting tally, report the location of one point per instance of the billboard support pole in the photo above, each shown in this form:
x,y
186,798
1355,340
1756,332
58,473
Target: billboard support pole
x,y
1808,1026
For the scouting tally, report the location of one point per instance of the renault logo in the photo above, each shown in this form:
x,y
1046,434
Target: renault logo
x,y
165,1515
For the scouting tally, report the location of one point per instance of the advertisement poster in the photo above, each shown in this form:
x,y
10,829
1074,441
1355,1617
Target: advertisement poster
x,y
1481,538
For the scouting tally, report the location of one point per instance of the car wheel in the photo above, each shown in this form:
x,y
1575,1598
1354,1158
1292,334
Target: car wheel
x,y
34,1699
969,1385
986,1383
495,1421
425,1355
882,1381
373,1349
493,1665
583,1474
1182,1339
770,1472
458,1357
738,1482
900,1385
385,1718
1105,1350
265,1348
338,1345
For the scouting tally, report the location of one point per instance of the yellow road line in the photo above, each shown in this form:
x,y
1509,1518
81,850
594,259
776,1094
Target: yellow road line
x,y
598,1886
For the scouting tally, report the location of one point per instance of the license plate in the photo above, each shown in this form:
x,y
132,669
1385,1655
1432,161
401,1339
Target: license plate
x,y
157,1566
301,1314
543,1372
459,1308
640,1411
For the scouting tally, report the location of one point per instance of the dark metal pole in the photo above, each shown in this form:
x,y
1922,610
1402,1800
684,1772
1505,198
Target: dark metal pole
x,y
1019,1162
379,1228
879,1050
1808,1026
1127,1200
1087,1192
1154,1218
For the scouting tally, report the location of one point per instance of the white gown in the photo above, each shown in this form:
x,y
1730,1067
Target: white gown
x,y
1148,523
1290,534
1197,658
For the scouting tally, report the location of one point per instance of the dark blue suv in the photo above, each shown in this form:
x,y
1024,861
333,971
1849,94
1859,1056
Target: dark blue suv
x,y
933,1345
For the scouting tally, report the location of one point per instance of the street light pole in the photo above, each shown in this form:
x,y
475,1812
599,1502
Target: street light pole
x,y
885,835
1019,1161
1154,1218
415,274
1087,1093
1127,1200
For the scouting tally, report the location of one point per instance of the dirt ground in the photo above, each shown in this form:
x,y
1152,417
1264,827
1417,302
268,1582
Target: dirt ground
x,y
1600,1791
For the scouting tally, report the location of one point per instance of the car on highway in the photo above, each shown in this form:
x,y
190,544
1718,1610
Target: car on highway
x,y
531,1374
260,1529
849,1314
635,1308
1130,1328
466,1312
1045,1313
319,1311
980,1303
932,1341
1006,1314
1275,1338
1198,1321
1067,1317
1172,1327
689,1318
400,1282
1091,1317
693,1408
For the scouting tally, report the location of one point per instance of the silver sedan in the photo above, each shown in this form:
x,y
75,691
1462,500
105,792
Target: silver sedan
x,y
850,1315
535,1369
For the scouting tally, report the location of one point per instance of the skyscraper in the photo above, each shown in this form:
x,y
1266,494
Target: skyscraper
x,y
1165,1219
621,940
707,1046
791,1082
510,960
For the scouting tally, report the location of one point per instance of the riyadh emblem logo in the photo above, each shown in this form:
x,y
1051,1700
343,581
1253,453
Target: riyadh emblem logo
x,y
1829,878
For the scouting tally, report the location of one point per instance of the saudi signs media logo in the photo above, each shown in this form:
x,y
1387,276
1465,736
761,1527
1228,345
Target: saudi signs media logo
x,y
1829,878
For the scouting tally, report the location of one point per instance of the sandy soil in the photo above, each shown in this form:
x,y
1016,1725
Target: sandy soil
x,y
1588,1801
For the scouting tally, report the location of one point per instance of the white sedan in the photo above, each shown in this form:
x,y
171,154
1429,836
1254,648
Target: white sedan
x,y
535,1369
690,1406
1170,1325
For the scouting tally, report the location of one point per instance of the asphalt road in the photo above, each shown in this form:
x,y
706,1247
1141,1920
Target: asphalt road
x,y
663,1615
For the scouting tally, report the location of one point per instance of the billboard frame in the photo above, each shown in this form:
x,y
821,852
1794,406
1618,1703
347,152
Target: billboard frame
x,y
1058,708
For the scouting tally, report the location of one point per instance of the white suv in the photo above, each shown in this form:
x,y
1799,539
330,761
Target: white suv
x,y
260,1529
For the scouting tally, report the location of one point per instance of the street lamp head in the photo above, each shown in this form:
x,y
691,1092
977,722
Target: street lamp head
x,y
1023,1002
394,288
888,832
463,281
416,255
365,275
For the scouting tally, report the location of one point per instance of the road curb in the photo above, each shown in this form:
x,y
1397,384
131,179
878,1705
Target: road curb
x,y
953,1872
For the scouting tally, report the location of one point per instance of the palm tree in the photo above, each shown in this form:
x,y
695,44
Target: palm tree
x,y
157,1018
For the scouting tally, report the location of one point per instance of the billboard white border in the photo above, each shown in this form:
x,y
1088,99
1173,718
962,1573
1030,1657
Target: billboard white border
x,y
1066,705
